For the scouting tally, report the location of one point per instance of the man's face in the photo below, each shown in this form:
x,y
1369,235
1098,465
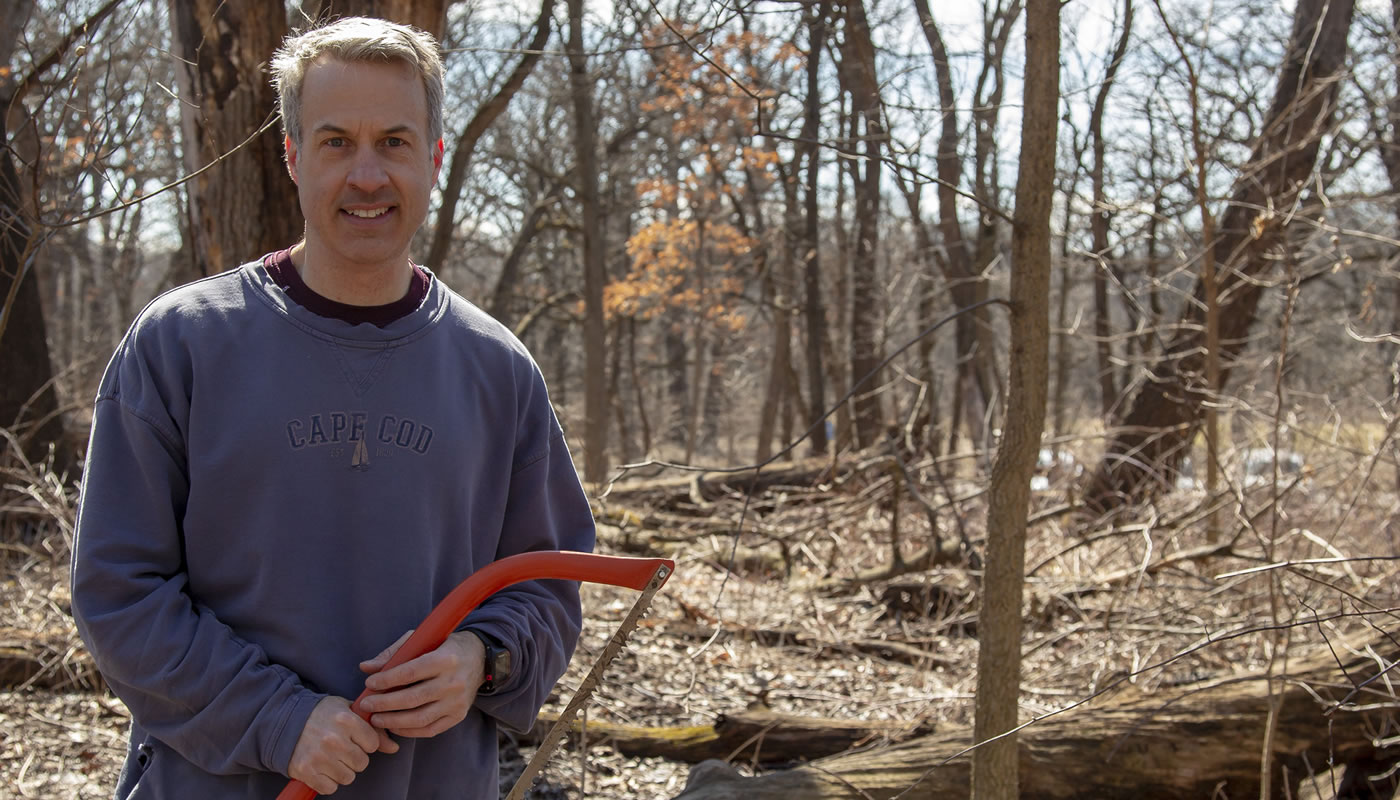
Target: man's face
x,y
365,167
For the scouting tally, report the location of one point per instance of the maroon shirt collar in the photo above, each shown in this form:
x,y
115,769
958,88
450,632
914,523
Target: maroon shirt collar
x,y
284,273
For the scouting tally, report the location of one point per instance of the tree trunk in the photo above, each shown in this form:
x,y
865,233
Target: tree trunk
x,y
28,401
814,306
1200,740
858,62
980,375
1165,412
245,205
1390,142
763,735
1390,156
626,444
595,432
925,252
428,15
1060,359
27,397
976,375
13,16
779,293
643,419
995,763
499,304
1100,219
544,202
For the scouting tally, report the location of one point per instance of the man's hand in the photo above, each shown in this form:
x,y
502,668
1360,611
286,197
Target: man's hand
x,y
335,746
429,694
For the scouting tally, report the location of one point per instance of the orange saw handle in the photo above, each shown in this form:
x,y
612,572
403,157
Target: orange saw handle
x,y
632,573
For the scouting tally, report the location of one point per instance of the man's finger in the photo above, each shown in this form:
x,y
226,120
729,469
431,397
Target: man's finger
x,y
419,669
323,784
386,743
340,772
404,699
377,663
356,760
365,737
436,726
409,719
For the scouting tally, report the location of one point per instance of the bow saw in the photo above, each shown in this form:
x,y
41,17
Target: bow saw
x,y
646,575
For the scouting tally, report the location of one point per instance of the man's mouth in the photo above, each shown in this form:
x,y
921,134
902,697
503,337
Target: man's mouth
x,y
367,213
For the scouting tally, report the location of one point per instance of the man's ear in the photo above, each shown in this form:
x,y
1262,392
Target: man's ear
x,y
437,159
291,148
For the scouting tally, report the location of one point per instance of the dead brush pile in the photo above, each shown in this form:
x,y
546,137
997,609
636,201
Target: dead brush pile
x,y
834,596
39,647
60,736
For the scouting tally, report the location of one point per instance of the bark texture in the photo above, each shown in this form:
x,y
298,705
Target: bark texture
x,y
763,735
1198,740
245,205
429,15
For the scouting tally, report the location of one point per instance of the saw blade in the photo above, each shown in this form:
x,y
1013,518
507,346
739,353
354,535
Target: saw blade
x,y
590,682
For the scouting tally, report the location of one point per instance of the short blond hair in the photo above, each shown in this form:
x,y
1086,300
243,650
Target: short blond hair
x,y
356,39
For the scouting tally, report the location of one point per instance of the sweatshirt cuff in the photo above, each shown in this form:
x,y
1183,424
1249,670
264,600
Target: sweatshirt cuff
x,y
284,742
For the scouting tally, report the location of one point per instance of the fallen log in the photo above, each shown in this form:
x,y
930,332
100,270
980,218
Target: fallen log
x,y
1199,740
712,548
754,735
887,649
706,486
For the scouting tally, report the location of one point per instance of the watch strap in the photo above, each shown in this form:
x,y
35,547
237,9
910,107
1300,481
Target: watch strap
x,y
497,661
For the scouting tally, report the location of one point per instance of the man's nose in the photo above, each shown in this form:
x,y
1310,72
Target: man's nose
x,y
367,173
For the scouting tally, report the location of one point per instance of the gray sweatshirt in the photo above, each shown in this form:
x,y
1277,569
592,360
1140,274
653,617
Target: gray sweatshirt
x,y
271,497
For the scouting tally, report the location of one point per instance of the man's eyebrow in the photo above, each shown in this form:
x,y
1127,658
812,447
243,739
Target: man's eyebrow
x,y
396,130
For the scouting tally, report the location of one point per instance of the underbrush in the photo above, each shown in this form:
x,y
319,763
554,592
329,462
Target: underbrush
x,y
849,594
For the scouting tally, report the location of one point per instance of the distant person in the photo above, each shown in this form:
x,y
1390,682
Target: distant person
x,y
291,463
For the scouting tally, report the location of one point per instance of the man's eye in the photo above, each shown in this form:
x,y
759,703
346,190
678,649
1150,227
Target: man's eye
x,y
394,141
336,141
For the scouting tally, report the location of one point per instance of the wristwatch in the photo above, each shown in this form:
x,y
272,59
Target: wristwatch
x,y
497,662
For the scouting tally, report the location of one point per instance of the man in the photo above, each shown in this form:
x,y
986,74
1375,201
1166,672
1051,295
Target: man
x,y
292,462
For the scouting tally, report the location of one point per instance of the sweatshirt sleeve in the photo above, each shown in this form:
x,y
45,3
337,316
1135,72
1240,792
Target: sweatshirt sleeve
x,y
537,621
188,679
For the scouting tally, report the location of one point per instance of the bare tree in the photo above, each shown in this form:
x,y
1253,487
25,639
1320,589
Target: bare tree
x,y
1165,411
28,401
995,774
818,21
858,63
1100,221
977,379
980,380
466,141
595,432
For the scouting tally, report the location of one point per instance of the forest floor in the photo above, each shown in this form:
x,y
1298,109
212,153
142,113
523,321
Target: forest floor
x,y
792,620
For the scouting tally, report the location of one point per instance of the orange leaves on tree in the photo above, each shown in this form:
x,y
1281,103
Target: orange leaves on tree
x,y
679,264
691,257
